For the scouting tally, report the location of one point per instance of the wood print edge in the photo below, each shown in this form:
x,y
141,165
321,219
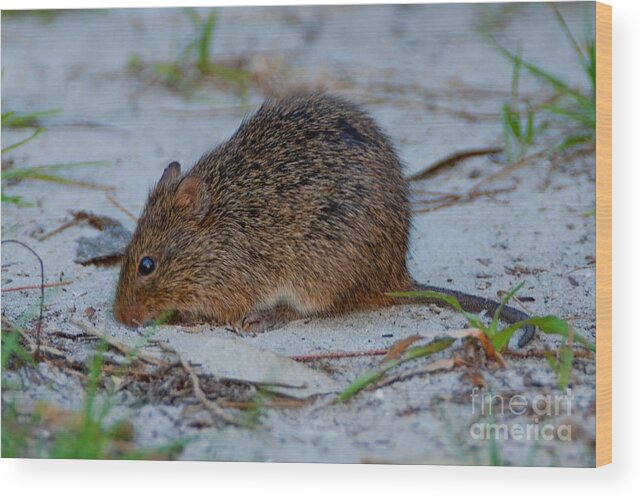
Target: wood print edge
x,y
603,234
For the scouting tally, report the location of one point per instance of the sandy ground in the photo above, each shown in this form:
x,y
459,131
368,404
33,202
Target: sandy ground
x,y
426,75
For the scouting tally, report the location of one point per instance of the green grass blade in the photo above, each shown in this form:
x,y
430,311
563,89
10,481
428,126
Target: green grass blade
x,y
23,142
515,76
32,171
11,348
11,199
565,366
13,119
435,346
514,123
562,365
575,140
362,382
194,17
585,117
493,449
204,42
549,324
558,85
496,315
568,33
590,68
50,178
529,136
543,75
551,360
507,134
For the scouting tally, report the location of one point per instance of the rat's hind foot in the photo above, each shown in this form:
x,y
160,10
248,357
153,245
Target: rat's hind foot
x,y
265,320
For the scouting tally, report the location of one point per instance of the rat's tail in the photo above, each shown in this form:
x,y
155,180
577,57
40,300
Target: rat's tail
x,y
476,304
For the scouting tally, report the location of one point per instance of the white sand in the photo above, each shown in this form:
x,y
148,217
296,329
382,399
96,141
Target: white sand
x,y
78,64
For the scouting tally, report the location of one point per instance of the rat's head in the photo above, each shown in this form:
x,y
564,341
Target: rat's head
x,y
162,264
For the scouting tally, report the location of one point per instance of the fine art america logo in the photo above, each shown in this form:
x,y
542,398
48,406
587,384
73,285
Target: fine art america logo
x,y
543,408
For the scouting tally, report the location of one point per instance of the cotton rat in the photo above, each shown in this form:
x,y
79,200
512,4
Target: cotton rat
x,y
305,207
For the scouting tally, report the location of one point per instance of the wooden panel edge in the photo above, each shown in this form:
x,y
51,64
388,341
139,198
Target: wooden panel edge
x,y
603,234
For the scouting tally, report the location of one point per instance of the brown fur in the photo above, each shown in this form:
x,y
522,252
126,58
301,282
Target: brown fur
x,y
305,205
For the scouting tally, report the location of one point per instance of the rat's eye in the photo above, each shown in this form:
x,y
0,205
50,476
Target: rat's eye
x,y
146,265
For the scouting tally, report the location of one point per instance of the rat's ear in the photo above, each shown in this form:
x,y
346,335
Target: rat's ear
x,y
171,172
193,197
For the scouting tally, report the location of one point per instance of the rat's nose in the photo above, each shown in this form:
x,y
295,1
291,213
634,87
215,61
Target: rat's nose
x,y
127,314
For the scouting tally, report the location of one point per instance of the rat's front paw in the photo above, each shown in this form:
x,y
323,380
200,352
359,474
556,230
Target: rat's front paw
x,y
264,320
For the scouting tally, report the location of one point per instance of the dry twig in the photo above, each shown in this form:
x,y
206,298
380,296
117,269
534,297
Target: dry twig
x,y
32,347
58,230
339,355
450,161
42,292
489,350
124,349
97,221
37,286
212,406
438,365
541,354
122,208
448,199
512,167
